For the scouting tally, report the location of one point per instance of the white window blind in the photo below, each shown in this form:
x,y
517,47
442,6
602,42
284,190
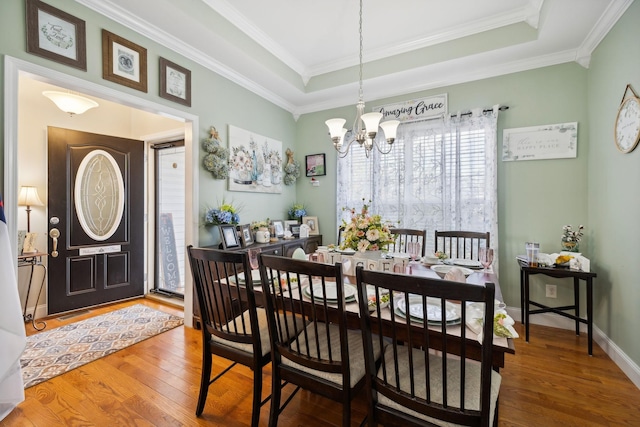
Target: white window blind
x,y
438,176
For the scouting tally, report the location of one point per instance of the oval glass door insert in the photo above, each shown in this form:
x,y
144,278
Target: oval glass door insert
x,y
99,195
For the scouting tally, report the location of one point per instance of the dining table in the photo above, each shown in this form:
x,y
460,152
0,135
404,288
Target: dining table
x,y
501,345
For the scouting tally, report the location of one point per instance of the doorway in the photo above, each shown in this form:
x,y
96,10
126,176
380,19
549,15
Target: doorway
x,y
15,72
170,244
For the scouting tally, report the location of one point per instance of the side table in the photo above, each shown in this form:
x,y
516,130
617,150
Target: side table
x,y
33,260
558,272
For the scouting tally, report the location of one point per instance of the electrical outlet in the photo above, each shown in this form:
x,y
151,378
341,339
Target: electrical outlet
x,y
552,291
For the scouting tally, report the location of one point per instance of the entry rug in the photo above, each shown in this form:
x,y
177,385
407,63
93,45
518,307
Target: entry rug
x,y
52,353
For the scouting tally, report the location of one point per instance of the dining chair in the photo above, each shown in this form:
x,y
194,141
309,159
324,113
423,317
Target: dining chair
x,y
426,375
462,244
403,236
232,326
325,357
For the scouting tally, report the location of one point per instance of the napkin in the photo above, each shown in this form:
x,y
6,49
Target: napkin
x,y
455,275
502,322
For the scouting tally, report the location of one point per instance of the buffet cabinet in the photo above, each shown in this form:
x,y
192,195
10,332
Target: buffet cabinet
x,y
281,247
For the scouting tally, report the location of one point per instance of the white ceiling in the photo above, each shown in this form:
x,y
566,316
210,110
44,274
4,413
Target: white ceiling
x,y
303,54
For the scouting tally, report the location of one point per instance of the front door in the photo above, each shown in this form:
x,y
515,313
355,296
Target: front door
x,y
96,210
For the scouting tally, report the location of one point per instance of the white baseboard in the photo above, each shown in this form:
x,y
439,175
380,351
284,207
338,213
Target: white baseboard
x,y
628,366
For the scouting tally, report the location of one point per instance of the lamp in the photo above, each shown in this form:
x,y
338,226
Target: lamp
x,y
69,102
29,197
365,126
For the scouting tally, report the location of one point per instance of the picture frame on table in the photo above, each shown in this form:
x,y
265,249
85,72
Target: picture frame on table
x,y
123,61
278,228
312,222
315,164
246,236
229,236
291,223
295,230
56,35
175,82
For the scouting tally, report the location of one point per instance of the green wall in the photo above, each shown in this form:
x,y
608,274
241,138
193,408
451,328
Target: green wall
x,y
536,198
613,202
215,100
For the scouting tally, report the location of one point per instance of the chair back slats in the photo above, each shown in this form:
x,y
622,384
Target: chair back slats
x,y
462,244
319,349
405,235
221,302
426,372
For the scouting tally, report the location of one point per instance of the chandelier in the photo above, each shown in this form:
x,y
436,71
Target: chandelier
x,y
365,126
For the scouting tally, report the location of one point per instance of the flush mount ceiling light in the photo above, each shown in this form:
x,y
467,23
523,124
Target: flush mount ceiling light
x,y
365,126
69,102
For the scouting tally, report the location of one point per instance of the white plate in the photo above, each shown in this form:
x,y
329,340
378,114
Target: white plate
x,y
332,292
347,251
434,309
442,270
255,276
469,263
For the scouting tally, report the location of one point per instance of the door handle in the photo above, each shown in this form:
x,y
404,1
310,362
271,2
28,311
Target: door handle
x,y
54,233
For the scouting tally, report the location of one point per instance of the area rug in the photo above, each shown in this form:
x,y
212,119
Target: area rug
x,y
49,354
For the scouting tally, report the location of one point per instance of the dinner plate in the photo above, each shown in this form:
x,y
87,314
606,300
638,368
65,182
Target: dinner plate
x,y
469,263
255,276
434,310
347,251
332,293
442,270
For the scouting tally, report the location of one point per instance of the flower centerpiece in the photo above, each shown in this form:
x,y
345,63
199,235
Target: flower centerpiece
x,y
226,213
365,232
571,238
257,225
297,211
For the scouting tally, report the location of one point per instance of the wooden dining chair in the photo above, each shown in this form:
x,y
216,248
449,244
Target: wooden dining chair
x,y
462,244
232,326
326,357
403,236
426,376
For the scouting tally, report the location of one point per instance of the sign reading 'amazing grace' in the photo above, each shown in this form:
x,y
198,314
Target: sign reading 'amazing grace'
x,y
416,109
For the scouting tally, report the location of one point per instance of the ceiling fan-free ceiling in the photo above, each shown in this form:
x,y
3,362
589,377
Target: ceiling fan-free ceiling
x,y
365,126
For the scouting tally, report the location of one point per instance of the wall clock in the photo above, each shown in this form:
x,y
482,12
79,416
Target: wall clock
x,y
627,127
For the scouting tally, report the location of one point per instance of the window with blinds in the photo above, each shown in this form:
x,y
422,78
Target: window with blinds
x,y
433,179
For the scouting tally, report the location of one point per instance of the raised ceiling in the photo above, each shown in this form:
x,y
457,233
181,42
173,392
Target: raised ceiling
x,y
303,54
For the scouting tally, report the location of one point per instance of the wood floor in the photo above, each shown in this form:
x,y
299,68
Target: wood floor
x,y
549,382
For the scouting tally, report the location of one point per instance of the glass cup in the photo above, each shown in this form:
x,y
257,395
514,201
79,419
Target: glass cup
x,y
532,249
413,248
486,257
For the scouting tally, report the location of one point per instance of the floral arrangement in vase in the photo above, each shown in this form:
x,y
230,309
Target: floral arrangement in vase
x,y
297,211
256,225
365,232
571,238
226,213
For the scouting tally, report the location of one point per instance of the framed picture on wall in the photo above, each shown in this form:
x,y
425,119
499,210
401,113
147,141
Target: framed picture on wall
x,y
124,62
56,35
229,236
315,165
175,82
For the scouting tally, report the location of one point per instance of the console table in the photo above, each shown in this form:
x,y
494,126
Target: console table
x,y
280,247
558,272
33,260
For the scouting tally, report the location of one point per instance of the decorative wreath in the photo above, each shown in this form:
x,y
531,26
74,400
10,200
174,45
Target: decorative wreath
x,y
291,169
216,161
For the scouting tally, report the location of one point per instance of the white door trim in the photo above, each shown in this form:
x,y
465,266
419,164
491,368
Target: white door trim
x,y
14,68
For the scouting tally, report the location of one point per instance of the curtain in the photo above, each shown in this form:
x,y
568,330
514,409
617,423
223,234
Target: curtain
x,y
440,175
